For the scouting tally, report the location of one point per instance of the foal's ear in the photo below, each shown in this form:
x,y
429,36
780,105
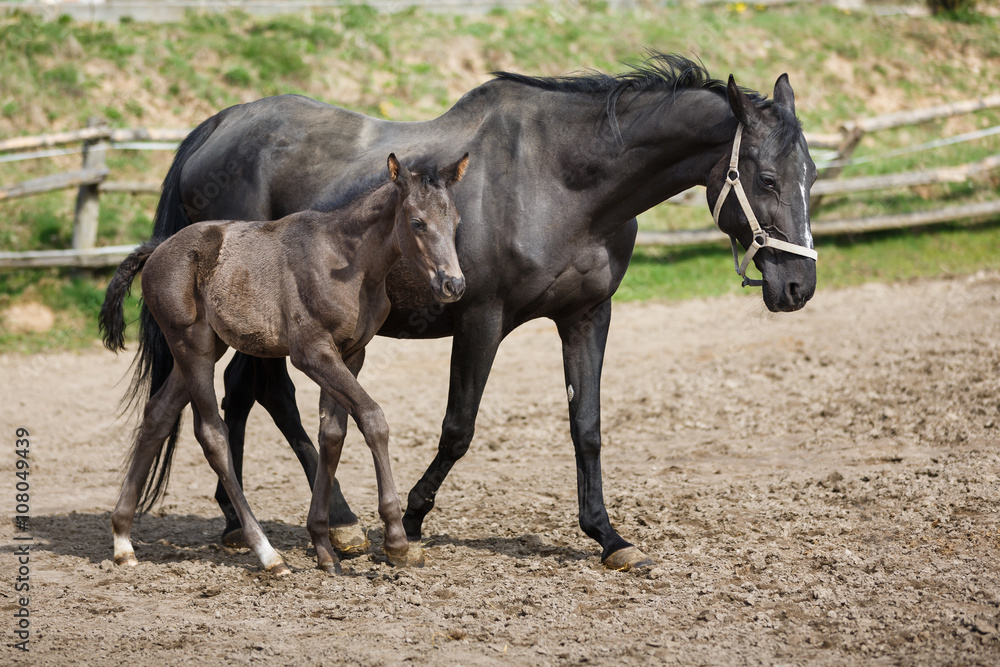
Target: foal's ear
x,y
398,172
742,106
783,93
453,173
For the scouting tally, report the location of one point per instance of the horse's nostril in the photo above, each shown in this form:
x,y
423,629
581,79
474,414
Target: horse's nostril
x,y
794,290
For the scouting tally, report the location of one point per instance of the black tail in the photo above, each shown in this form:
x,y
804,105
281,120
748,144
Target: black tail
x,y
153,361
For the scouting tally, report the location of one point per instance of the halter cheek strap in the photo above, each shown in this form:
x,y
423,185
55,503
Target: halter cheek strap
x,y
760,237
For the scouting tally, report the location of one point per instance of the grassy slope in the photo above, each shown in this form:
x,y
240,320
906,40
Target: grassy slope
x,y
414,65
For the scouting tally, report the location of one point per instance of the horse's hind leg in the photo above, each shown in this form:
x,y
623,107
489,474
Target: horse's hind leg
x,y
236,406
198,370
159,416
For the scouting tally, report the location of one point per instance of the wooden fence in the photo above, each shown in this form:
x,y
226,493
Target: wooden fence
x,y
92,179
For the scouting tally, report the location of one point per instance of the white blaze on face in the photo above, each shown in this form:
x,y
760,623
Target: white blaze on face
x,y
805,204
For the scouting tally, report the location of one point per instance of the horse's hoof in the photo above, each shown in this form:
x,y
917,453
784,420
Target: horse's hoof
x,y
414,555
279,569
332,567
627,559
234,539
128,560
398,557
350,540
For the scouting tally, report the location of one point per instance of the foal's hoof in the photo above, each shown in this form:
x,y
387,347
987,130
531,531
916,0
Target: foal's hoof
x,y
234,539
128,560
279,569
333,567
627,559
398,557
350,540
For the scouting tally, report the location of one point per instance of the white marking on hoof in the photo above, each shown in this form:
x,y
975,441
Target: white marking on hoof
x,y
269,557
124,554
569,392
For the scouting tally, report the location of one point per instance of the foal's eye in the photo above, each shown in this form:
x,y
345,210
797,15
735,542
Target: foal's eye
x,y
768,181
418,225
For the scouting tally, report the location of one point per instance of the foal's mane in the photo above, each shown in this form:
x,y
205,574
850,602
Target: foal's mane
x,y
668,73
362,188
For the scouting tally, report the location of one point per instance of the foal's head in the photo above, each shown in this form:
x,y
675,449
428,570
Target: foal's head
x,y
426,222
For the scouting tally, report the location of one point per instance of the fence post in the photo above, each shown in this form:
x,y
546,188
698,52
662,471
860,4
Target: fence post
x,y
88,206
853,134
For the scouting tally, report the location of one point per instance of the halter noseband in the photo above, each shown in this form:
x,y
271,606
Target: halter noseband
x,y
760,237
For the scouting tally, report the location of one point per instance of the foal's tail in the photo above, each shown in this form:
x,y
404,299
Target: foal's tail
x,y
112,318
153,361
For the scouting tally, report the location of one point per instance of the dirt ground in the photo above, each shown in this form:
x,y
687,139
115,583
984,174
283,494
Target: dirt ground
x,y
816,488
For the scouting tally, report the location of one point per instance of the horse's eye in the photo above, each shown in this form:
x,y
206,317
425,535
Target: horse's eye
x,y
768,181
418,225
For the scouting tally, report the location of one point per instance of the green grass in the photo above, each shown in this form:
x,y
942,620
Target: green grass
x,y
413,65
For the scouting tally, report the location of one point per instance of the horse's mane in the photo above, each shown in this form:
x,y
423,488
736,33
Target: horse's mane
x,y
427,170
660,72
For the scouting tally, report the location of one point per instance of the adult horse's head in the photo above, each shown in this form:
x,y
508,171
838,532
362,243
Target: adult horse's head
x,y
759,195
426,222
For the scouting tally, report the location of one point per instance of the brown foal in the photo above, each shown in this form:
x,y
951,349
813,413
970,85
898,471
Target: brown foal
x,y
311,287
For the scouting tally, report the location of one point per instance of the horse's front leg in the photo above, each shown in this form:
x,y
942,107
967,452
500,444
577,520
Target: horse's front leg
x,y
332,429
584,340
325,367
474,347
267,381
276,392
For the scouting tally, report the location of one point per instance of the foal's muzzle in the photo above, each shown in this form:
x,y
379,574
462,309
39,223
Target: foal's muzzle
x,y
448,289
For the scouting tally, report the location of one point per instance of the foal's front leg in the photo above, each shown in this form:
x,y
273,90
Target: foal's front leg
x,y
332,429
338,382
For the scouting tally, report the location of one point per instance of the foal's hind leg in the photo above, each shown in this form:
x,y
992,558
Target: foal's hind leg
x,y
198,369
159,416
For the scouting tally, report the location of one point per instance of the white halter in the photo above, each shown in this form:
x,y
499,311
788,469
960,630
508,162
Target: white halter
x,y
760,237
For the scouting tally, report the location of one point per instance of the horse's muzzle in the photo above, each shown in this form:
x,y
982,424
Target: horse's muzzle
x,y
788,284
448,289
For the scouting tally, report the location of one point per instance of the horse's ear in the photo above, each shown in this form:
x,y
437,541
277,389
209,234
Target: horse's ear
x,y
783,93
398,172
453,173
742,106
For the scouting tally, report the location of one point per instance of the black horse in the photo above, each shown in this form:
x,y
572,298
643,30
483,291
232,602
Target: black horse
x,y
549,226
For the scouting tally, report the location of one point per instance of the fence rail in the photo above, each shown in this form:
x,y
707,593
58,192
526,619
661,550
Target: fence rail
x,y
96,139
